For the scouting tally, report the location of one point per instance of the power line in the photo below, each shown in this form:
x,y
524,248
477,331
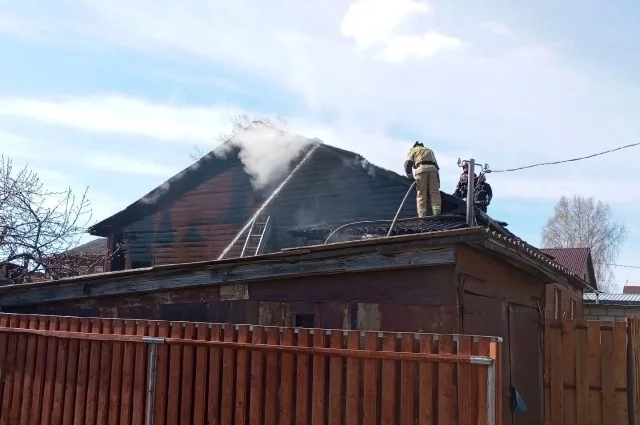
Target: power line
x,y
624,265
567,160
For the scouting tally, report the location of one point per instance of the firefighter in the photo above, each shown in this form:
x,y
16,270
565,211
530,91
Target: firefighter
x,y
427,178
461,187
483,193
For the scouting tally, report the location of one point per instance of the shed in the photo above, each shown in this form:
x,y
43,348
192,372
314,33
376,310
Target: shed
x,y
481,280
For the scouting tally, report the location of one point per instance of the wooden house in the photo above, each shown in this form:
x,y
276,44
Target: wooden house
x,y
196,214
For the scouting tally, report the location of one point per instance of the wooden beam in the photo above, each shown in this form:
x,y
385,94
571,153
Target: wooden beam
x,y
188,277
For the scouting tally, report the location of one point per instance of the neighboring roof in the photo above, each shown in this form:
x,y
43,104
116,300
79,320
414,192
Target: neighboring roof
x,y
574,259
294,262
612,299
631,289
216,162
96,247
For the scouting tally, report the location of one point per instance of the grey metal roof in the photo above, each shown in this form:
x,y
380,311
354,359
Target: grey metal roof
x,y
612,299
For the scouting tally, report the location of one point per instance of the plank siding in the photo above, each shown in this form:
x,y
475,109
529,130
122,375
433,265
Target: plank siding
x,y
195,227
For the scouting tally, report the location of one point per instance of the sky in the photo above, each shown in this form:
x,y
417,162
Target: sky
x,y
113,95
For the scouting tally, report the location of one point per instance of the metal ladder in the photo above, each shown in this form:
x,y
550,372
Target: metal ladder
x,y
257,237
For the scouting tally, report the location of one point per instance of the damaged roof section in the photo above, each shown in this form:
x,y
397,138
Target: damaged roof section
x,y
381,228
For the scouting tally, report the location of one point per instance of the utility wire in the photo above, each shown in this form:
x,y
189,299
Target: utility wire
x,y
566,160
624,265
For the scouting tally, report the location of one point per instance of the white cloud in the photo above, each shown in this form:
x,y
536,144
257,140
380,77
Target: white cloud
x,y
401,48
496,28
374,24
119,114
370,22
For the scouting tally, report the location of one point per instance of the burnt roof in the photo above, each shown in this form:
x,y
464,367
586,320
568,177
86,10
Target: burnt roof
x,y
216,162
381,227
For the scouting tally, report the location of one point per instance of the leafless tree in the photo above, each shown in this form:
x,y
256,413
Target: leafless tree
x,y
37,226
239,123
584,222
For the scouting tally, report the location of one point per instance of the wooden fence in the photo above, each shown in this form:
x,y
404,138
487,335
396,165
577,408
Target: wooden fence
x,y
591,372
60,370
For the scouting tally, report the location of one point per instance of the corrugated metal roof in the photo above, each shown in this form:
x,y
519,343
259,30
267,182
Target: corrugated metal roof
x,y
575,259
612,299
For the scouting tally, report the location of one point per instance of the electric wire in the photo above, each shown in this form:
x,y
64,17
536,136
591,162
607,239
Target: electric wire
x,y
566,160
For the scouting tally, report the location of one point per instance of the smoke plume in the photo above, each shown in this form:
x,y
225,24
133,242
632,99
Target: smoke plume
x,y
266,153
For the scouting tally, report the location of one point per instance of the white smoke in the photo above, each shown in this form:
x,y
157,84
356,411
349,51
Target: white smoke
x,y
267,153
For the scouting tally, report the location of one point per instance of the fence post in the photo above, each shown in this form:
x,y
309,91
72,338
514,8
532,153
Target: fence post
x,y
491,386
151,378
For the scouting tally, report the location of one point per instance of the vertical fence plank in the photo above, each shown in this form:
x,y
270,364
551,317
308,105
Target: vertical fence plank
x,y
465,392
104,387
37,391
127,374
352,408
188,362
482,348
139,372
621,408
595,374
83,373
634,368
51,366
370,385
173,384
425,386
9,376
317,391
407,375
271,378
335,381
582,373
241,378
93,374
200,389
388,375
215,368
4,364
73,363
556,375
256,389
162,375
608,388
117,351
495,352
302,382
568,371
286,380
228,373
446,389
27,375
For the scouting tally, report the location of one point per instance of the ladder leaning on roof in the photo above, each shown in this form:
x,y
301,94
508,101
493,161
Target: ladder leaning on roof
x,y
257,236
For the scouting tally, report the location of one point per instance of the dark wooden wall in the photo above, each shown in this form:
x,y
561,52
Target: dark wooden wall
x,y
195,227
411,300
500,300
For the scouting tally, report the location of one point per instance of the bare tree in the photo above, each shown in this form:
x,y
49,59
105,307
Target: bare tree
x,y
584,222
37,226
239,123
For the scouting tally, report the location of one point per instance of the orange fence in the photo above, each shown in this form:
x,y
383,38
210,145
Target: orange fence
x,y
60,370
586,376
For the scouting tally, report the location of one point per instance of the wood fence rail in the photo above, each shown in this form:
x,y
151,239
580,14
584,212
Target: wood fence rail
x,y
61,370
